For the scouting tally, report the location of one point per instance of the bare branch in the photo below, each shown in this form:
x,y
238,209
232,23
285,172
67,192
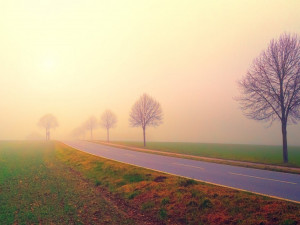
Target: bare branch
x,y
108,119
271,89
146,112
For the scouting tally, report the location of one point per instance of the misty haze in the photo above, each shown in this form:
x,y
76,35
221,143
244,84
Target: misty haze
x,y
149,112
75,59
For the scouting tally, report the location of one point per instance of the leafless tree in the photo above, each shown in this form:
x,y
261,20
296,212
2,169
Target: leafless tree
x,y
271,88
91,124
146,112
48,122
108,120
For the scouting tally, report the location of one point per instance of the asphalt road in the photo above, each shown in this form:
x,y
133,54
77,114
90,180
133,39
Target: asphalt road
x,y
276,184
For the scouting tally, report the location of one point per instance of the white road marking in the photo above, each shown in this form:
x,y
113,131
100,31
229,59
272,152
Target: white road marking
x,y
198,167
262,178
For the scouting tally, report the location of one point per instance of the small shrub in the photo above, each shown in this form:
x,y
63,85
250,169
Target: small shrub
x,y
147,205
121,183
195,193
192,204
133,194
289,222
98,183
187,182
215,195
162,214
69,209
160,179
165,201
133,178
206,204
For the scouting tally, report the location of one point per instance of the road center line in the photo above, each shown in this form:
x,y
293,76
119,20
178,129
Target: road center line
x,y
188,166
262,178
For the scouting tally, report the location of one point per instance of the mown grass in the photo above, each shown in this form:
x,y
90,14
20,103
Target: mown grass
x,y
251,153
37,188
174,200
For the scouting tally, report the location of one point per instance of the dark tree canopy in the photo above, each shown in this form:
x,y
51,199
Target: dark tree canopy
x,y
108,120
271,88
146,112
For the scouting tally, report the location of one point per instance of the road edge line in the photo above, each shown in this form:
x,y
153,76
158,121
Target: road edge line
x,y
220,185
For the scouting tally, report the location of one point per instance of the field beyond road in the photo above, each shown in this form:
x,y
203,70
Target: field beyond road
x,y
48,182
266,154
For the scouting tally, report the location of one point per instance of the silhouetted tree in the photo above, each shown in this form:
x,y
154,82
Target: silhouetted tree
x,y
271,88
108,120
48,122
91,124
146,112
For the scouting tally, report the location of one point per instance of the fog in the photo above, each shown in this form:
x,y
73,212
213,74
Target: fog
x,y
75,59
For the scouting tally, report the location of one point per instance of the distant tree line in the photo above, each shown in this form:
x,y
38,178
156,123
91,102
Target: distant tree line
x,y
144,113
270,91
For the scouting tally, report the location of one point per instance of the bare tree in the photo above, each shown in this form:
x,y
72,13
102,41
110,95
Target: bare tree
x,y
48,122
108,120
271,88
91,124
146,112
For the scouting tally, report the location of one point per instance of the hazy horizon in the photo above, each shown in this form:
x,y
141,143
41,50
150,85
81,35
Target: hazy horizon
x,y
76,59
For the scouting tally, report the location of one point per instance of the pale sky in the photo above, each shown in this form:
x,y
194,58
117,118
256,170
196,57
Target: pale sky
x,y
77,58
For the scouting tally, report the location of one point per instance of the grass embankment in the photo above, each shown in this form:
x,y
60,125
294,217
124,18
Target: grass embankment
x,y
266,154
175,200
37,188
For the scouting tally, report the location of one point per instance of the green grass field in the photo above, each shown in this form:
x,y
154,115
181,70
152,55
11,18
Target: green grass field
x,y
251,153
36,188
50,183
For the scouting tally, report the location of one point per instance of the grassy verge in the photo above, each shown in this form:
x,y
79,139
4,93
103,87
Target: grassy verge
x,y
248,153
37,188
174,200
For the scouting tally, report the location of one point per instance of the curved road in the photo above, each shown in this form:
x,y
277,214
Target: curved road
x,y
276,184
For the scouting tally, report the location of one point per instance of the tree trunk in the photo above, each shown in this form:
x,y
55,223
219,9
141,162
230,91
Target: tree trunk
x,y
284,142
144,135
91,134
107,135
46,134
